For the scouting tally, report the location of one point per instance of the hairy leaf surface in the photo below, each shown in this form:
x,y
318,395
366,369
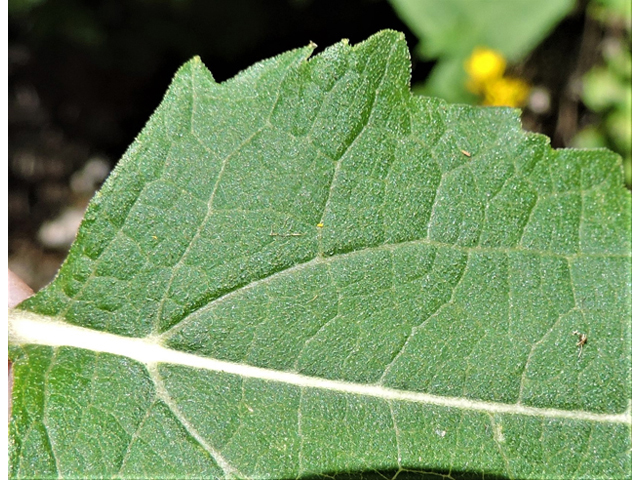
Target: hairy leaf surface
x,y
308,270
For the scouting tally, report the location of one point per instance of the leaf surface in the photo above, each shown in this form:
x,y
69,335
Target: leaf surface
x,y
306,270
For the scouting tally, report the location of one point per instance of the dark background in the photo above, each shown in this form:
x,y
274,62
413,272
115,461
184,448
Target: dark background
x,y
84,76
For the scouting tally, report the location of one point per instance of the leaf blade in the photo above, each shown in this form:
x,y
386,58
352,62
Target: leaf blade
x,y
435,275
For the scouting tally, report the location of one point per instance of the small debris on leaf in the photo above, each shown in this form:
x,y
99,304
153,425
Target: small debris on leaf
x,y
582,340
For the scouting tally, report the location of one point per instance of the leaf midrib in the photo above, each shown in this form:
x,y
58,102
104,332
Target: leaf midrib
x,y
26,328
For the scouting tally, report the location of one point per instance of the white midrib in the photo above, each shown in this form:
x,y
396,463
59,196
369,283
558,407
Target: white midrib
x,y
27,328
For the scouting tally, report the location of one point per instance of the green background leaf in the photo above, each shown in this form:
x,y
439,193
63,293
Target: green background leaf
x,y
350,291
455,27
450,30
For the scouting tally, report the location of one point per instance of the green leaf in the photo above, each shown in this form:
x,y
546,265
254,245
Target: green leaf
x,y
453,28
449,30
307,270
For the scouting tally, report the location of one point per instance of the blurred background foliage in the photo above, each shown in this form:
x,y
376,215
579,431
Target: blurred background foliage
x,y
85,75
448,31
606,87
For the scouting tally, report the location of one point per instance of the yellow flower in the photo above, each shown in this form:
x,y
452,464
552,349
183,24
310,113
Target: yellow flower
x,y
486,68
506,92
484,65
